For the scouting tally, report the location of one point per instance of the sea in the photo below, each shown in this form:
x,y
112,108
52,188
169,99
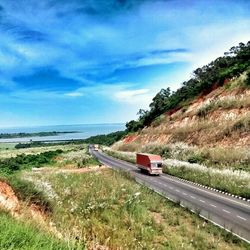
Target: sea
x,y
82,131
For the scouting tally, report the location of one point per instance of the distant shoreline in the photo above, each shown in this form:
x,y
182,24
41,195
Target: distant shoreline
x,y
58,133
37,134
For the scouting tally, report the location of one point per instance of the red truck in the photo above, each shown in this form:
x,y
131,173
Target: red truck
x,y
150,163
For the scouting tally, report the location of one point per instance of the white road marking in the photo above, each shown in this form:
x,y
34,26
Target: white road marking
x,y
226,211
192,197
202,201
208,192
170,187
177,190
212,205
241,217
184,193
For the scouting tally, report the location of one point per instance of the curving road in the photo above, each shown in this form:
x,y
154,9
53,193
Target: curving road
x,y
225,211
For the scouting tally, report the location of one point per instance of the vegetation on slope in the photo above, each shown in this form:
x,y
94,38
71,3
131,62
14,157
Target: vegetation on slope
x,y
10,165
17,235
228,180
204,80
10,169
107,140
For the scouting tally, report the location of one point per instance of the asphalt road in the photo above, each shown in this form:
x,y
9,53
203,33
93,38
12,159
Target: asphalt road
x,y
225,211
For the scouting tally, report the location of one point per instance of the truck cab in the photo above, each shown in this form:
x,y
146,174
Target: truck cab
x,y
150,163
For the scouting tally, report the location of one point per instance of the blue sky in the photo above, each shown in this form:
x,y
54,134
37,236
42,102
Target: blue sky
x,y
99,61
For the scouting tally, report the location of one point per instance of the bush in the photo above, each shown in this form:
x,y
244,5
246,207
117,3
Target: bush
x,y
87,162
204,110
162,150
11,165
196,158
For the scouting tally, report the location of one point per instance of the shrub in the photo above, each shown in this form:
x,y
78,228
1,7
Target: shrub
x,y
158,120
196,158
11,165
162,150
205,109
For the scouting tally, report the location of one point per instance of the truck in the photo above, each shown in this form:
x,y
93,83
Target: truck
x,y
96,147
149,163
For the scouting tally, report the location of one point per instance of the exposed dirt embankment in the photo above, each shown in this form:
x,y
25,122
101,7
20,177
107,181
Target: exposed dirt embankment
x,y
10,203
222,118
8,199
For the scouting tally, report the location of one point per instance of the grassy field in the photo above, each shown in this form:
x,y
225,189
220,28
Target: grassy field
x,y
7,146
108,209
12,152
103,209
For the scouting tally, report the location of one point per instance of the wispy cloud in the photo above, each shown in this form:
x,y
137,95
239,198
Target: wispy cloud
x,y
132,96
74,94
74,37
111,49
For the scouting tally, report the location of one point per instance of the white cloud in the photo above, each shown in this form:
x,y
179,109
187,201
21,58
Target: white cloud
x,y
74,94
131,95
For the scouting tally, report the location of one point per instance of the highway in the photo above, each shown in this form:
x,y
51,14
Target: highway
x,y
225,211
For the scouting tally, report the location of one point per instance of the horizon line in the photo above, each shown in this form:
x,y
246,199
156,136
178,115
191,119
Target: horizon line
x,y
77,124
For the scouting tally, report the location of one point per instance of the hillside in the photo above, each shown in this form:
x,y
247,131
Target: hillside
x,y
221,118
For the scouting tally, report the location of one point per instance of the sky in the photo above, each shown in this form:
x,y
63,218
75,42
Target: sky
x,y
100,61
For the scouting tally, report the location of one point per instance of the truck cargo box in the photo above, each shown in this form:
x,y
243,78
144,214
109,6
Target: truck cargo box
x,y
149,162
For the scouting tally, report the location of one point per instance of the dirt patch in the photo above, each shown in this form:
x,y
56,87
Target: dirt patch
x,y
38,212
8,199
70,169
157,217
129,138
83,170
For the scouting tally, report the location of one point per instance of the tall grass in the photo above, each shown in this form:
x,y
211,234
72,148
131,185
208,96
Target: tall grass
x,y
236,158
80,158
235,182
224,103
17,235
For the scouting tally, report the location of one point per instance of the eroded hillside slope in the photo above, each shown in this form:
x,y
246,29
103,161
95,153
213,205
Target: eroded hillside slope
x,y
221,118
